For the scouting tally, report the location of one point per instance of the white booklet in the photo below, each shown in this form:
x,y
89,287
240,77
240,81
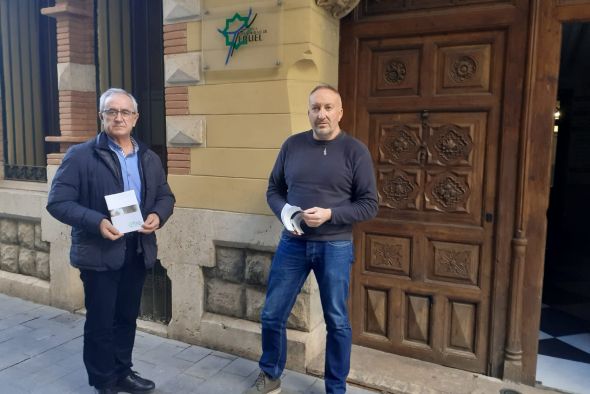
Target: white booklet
x,y
124,210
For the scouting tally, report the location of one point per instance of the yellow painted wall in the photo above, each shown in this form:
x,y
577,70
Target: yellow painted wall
x,y
250,113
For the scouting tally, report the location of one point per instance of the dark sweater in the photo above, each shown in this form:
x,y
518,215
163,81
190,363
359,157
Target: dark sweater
x,y
342,179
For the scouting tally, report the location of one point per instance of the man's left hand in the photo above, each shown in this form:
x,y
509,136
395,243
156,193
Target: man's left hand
x,y
151,224
315,217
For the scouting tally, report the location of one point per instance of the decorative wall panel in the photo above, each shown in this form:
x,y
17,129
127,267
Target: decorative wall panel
x,y
447,192
464,69
462,327
390,255
450,145
396,72
400,144
377,306
417,319
454,262
399,189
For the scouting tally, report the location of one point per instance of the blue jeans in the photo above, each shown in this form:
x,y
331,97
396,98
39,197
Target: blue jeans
x,y
331,264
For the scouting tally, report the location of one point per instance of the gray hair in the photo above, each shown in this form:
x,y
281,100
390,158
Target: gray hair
x,y
112,91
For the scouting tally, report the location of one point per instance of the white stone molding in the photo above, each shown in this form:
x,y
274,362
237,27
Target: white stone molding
x,y
185,130
338,8
182,69
181,10
78,77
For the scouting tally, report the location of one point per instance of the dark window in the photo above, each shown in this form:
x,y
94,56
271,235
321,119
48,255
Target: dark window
x,y
28,77
130,53
156,300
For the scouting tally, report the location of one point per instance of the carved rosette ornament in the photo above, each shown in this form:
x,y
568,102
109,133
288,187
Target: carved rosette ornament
x,y
395,72
338,8
398,144
449,192
387,255
463,69
397,191
454,263
452,143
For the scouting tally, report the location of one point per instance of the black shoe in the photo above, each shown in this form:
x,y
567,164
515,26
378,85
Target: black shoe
x,y
135,384
108,390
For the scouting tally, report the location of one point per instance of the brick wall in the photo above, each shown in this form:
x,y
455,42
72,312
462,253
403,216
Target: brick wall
x,y
179,161
175,38
176,97
176,100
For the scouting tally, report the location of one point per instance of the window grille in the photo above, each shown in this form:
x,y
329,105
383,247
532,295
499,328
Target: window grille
x,y
28,87
156,299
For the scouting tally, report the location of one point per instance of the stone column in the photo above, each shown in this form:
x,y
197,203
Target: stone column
x,y
76,72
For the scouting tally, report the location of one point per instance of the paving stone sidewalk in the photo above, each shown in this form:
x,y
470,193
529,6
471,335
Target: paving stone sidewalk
x,y
41,352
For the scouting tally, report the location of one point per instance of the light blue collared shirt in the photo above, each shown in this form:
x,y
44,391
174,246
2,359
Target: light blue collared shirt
x,y
129,167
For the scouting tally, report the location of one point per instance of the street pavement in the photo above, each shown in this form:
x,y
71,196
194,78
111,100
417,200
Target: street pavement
x,y
41,352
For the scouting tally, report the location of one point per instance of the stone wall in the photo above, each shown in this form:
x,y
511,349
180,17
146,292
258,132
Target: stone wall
x,y
236,286
22,250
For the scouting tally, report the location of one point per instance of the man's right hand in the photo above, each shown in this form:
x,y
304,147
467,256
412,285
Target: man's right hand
x,y
108,231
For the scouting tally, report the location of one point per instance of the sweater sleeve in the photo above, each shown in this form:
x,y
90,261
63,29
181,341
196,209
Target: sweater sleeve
x,y
276,194
363,202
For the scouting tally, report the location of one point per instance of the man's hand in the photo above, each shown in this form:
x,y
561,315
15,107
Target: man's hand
x,y
151,224
108,231
315,217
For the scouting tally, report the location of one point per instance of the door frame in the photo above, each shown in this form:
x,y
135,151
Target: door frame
x,y
530,230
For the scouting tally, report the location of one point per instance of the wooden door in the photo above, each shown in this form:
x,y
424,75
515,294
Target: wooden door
x,y
428,102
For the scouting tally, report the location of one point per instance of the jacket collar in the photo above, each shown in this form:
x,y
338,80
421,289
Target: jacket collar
x,y
102,142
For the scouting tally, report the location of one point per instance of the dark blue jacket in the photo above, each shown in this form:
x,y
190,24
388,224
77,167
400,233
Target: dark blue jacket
x,y
90,171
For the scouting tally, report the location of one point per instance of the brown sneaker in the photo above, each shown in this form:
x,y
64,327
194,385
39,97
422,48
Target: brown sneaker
x,y
265,385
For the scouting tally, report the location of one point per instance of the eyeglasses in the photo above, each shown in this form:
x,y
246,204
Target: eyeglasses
x,y
112,113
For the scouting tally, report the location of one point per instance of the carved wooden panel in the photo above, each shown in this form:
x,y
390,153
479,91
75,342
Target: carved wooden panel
x,y
396,72
450,144
447,191
376,7
400,144
390,255
453,262
417,318
399,189
464,69
435,153
461,327
377,307
430,162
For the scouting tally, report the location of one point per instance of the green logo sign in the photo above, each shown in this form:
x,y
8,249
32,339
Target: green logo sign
x,y
238,31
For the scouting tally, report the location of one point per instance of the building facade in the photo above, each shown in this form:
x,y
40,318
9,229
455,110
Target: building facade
x,y
455,100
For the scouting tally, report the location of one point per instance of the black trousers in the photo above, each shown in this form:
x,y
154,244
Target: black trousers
x,y
112,300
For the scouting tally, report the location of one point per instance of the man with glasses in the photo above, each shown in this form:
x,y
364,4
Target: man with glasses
x,y
112,265
322,182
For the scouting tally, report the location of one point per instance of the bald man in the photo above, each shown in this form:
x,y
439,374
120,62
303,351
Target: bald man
x,y
322,182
